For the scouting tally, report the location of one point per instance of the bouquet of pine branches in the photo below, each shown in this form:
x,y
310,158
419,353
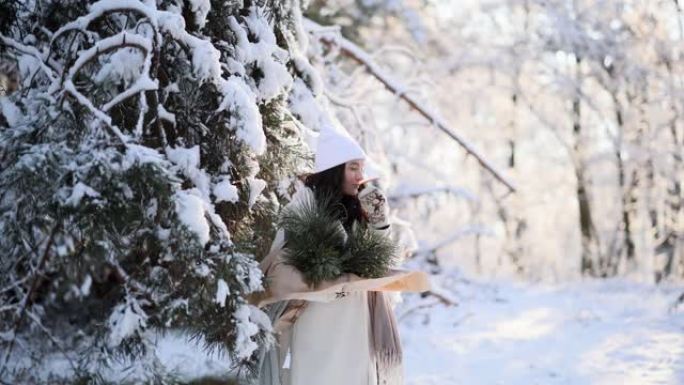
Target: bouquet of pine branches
x,y
318,245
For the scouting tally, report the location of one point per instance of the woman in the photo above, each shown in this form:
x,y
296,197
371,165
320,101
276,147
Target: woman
x,y
339,331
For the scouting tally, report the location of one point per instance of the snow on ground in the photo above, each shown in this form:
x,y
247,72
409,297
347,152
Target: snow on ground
x,y
590,332
188,360
610,332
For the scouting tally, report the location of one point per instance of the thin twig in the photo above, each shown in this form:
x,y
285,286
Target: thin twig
x,y
442,299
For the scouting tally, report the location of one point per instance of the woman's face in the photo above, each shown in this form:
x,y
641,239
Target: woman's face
x,y
353,175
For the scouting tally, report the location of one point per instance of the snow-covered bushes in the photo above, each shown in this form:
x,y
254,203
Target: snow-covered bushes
x,y
142,161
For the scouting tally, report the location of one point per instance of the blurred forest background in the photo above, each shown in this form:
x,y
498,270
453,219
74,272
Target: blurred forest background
x,y
578,102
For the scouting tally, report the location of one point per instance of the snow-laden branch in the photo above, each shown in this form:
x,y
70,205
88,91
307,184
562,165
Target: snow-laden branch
x,y
71,89
29,51
159,21
360,56
120,40
102,7
144,83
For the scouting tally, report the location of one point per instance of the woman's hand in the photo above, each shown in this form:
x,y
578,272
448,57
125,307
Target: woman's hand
x,y
374,203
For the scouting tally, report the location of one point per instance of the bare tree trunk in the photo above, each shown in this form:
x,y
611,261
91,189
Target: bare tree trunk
x,y
671,237
476,217
640,174
626,246
587,229
678,172
515,224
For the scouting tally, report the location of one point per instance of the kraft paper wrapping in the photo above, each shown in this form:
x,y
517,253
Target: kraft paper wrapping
x,y
396,280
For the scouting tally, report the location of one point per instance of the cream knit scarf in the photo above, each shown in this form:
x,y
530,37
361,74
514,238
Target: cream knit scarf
x,y
384,340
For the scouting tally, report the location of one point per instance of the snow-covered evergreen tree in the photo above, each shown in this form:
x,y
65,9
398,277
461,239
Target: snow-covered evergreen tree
x,y
143,158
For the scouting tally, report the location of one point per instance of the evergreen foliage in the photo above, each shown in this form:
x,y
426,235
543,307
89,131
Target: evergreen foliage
x,y
315,239
318,245
143,159
371,252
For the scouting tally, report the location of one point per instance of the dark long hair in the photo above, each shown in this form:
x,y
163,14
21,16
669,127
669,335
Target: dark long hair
x,y
328,183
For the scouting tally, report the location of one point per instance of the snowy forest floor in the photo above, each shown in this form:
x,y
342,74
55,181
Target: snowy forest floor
x,y
591,332
584,333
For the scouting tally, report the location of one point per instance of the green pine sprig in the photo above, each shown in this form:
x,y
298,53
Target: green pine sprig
x,y
314,239
320,248
371,253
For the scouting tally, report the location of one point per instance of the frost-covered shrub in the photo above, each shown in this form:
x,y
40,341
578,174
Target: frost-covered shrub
x,y
143,158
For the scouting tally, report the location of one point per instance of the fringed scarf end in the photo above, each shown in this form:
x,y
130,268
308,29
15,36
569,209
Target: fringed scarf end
x,y
385,343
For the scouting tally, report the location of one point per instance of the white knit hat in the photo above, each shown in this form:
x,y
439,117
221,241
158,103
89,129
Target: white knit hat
x,y
335,146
